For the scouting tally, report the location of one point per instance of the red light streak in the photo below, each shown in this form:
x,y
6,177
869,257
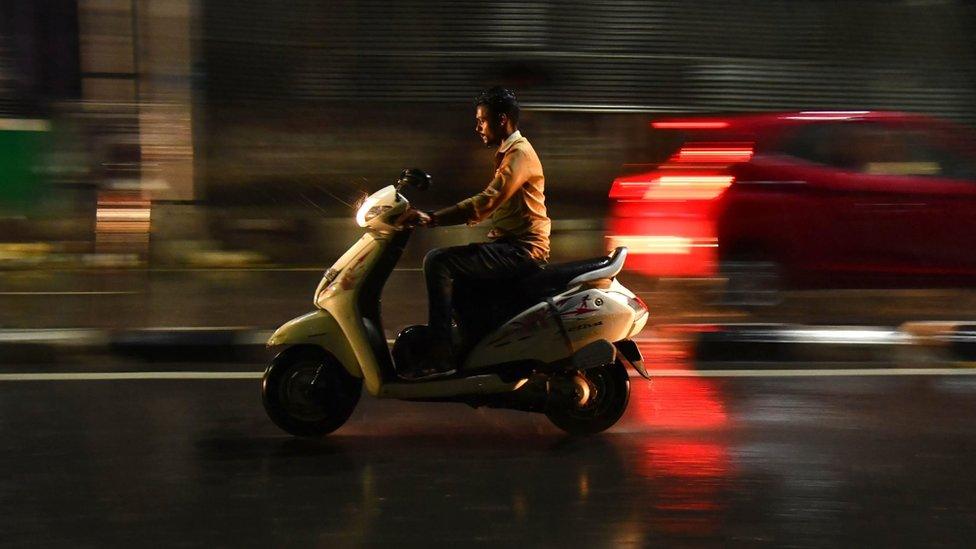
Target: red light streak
x,y
692,475
675,402
686,459
724,155
632,187
690,468
688,187
692,223
826,115
690,125
671,187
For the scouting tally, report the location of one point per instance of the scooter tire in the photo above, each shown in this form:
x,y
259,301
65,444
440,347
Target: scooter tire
x,y
296,405
610,390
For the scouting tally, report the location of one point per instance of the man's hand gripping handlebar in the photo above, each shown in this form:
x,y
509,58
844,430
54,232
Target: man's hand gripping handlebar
x,y
413,218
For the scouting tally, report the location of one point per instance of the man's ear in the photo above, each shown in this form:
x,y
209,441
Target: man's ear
x,y
503,120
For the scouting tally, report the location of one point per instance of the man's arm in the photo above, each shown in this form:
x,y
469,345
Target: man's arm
x,y
509,178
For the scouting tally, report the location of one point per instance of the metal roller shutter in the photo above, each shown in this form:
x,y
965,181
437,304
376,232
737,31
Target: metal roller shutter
x,y
644,56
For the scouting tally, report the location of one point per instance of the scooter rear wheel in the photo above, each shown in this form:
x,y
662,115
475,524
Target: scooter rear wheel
x,y
599,400
308,393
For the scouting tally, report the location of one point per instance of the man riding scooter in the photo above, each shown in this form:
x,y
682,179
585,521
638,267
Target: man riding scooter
x,y
518,241
556,340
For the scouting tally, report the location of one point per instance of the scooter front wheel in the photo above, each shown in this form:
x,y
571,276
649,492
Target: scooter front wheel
x,y
308,393
597,399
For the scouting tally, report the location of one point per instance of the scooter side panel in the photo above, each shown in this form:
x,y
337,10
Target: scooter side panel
x,y
318,328
344,278
547,334
532,335
340,299
343,306
594,314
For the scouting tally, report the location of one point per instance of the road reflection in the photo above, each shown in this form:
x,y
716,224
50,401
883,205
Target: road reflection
x,y
440,473
548,490
686,468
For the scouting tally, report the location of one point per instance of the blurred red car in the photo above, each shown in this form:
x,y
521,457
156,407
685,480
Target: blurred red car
x,y
805,198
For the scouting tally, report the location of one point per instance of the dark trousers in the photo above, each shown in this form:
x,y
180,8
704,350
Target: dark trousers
x,y
481,263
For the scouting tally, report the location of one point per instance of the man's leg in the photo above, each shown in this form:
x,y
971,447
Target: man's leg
x,y
482,262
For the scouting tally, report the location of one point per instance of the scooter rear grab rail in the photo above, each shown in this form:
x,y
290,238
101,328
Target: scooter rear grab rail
x,y
617,259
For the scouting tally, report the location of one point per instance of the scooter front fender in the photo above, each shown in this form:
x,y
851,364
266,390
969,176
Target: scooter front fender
x,y
321,329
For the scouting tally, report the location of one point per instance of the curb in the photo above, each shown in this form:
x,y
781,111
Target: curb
x,y
710,343
778,343
151,344
184,344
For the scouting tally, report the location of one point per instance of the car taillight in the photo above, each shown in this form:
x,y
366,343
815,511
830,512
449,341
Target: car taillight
x,y
688,187
675,186
631,187
713,153
690,124
698,171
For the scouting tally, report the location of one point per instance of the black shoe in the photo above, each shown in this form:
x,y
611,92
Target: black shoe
x,y
438,363
424,374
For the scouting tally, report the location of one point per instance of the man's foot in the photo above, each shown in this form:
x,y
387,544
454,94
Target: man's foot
x,y
439,362
424,374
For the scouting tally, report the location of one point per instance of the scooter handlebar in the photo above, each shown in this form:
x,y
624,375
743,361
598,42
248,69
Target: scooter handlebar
x,y
415,178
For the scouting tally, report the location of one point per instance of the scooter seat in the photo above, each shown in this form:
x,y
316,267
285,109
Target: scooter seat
x,y
481,309
555,278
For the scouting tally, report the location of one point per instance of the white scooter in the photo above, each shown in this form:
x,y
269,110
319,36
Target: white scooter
x,y
556,342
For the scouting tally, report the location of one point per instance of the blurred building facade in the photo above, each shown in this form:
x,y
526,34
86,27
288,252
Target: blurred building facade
x,y
648,56
266,102
372,86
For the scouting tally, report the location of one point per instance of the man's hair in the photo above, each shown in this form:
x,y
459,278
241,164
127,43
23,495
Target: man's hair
x,y
499,101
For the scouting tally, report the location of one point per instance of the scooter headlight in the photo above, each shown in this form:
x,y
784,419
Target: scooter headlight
x,y
377,206
375,211
369,210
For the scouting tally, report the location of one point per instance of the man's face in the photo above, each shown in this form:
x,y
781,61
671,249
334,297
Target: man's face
x,y
489,129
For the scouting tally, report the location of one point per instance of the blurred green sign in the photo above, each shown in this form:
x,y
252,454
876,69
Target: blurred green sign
x,y
21,155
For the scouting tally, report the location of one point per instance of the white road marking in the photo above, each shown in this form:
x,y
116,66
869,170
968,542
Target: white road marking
x,y
70,293
229,270
254,269
820,372
142,376
125,376
76,336
181,329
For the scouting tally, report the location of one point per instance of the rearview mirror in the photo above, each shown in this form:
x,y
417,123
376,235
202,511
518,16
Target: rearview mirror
x,y
414,177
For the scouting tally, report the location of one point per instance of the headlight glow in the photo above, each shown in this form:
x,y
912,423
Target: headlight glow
x,y
368,207
376,210
378,204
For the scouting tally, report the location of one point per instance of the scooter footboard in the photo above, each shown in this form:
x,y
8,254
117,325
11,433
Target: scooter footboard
x,y
321,329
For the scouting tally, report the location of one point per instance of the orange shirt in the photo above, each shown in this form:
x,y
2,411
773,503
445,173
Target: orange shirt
x,y
514,201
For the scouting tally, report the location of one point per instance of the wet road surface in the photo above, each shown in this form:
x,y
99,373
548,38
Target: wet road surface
x,y
825,461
